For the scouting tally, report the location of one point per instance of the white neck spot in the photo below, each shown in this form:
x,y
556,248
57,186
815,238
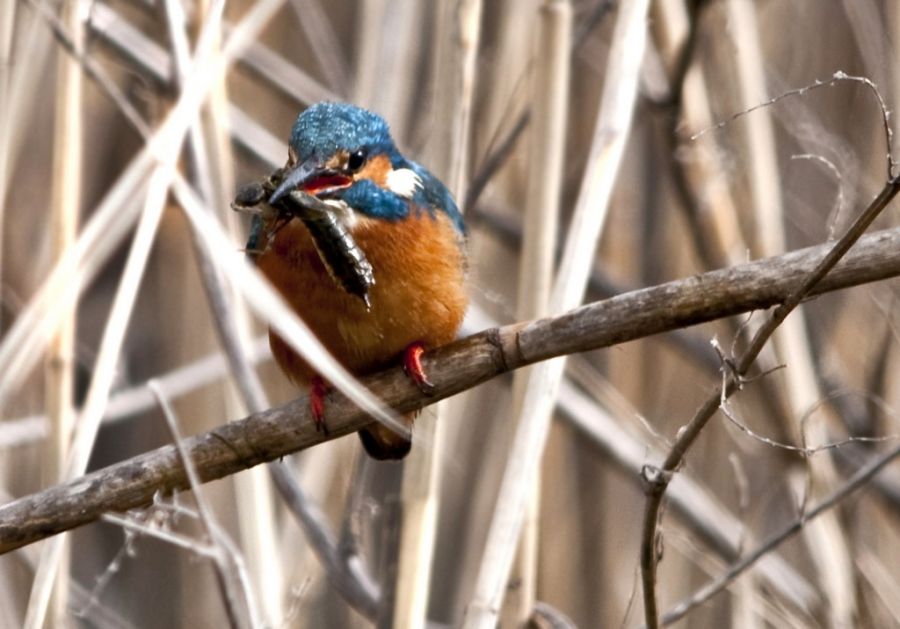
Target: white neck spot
x,y
403,182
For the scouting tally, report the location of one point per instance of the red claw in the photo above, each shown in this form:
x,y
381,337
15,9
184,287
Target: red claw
x,y
317,391
412,365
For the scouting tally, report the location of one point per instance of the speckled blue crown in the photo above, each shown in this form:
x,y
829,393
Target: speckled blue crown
x,y
325,128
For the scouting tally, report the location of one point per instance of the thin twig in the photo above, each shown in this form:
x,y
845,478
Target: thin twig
x,y
346,576
837,77
232,576
495,160
546,616
178,540
657,478
863,476
691,503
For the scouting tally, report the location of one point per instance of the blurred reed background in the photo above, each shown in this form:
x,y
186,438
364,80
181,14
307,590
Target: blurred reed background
x,y
505,98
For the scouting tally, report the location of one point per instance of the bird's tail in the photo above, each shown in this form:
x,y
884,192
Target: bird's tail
x,y
384,444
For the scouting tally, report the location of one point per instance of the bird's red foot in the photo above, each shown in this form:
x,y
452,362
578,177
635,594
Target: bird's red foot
x,y
317,391
412,365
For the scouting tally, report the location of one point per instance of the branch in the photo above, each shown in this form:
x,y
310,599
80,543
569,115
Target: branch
x,y
657,479
462,365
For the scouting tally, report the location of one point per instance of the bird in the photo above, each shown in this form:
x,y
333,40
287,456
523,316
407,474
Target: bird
x,y
406,225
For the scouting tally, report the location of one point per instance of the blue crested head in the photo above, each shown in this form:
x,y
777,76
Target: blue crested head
x,y
345,153
327,128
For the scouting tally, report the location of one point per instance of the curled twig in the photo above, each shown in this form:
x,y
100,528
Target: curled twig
x,y
837,77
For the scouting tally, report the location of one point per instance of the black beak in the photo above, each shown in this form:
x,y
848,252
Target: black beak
x,y
298,176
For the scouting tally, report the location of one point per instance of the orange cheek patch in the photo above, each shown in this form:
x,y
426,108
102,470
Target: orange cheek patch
x,y
377,170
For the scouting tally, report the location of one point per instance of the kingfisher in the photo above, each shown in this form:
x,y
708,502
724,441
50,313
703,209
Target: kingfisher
x,y
408,228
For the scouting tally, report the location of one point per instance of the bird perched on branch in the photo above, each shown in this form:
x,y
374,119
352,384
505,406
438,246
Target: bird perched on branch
x,y
402,221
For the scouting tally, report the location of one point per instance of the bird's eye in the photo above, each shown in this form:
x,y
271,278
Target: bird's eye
x,y
356,160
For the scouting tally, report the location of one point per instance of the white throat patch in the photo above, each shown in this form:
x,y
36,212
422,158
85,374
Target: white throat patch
x,y
403,182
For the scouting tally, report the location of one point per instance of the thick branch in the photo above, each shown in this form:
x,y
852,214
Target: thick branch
x,y
464,364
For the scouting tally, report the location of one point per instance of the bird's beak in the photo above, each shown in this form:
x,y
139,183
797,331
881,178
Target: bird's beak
x,y
298,177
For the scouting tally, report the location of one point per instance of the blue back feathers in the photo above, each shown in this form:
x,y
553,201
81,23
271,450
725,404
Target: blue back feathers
x,y
325,128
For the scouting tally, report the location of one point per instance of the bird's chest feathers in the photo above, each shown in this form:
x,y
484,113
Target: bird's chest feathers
x,y
418,267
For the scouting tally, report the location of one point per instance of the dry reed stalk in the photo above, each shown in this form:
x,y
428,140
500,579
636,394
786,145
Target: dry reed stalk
x,y
104,371
323,41
131,43
460,31
893,21
7,24
550,102
419,518
422,471
232,575
882,580
259,539
387,79
718,207
826,542
367,82
160,180
132,401
284,76
116,214
254,490
109,224
59,365
506,69
176,26
610,135
18,93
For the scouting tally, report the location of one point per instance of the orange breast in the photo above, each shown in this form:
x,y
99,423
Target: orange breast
x,y
418,293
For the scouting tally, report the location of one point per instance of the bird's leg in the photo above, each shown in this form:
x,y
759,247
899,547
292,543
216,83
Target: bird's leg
x,y
317,390
412,365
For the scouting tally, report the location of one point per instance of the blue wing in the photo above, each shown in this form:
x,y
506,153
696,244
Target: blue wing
x,y
434,194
